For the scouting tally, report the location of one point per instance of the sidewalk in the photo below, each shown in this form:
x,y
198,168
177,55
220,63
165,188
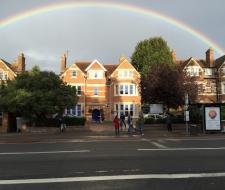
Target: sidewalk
x,y
97,132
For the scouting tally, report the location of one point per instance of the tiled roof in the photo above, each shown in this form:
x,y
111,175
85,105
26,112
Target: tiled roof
x,y
110,68
183,63
8,64
219,61
83,65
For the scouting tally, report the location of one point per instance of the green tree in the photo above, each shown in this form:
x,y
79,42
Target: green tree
x,y
36,94
149,52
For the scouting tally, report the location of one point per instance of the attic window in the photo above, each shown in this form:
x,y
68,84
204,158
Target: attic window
x,y
125,74
193,70
74,73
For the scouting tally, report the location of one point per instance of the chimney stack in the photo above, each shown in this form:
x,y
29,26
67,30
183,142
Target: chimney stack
x,y
209,57
63,63
21,63
174,55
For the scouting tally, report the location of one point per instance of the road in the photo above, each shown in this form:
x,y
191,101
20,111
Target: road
x,y
145,164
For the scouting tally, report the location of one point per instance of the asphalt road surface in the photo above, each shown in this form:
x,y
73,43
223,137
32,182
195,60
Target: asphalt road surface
x,y
136,164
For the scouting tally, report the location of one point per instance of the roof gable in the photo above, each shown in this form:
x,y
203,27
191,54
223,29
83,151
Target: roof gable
x,y
192,62
7,65
123,63
95,62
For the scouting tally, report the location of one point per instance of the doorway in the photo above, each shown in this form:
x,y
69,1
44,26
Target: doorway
x,y
96,115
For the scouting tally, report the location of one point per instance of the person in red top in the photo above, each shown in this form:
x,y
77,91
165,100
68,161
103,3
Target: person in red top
x,y
117,125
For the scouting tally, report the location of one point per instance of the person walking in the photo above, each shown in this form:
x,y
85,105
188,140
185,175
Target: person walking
x,y
169,122
141,123
62,124
122,121
117,125
129,122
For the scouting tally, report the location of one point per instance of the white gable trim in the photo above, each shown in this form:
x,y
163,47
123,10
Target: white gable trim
x,y
93,62
192,59
117,68
8,67
70,68
221,65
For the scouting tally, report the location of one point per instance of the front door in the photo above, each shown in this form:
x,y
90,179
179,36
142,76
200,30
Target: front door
x,y
96,115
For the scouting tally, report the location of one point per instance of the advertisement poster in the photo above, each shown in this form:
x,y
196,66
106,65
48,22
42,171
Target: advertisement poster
x,y
212,118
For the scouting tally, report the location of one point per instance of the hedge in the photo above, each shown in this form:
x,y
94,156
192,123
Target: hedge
x,y
177,119
54,122
71,121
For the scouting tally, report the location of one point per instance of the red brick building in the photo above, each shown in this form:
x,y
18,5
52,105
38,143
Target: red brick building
x,y
209,74
103,88
8,72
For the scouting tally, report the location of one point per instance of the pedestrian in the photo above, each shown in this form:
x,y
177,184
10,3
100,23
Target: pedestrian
x,y
141,123
129,122
169,122
62,124
122,121
117,125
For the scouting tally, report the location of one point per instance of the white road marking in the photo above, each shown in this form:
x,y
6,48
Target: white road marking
x,y
47,152
158,145
174,149
101,171
110,178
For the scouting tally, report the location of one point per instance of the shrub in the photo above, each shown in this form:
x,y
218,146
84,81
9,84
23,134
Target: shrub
x,y
54,122
71,121
177,119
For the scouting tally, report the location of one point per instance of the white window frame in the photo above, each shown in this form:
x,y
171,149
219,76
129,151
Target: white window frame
x,y
75,110
78,86
193,71
126,108
125,73
223,87
96,91
95,74
208,71
126,89
3,75
72,73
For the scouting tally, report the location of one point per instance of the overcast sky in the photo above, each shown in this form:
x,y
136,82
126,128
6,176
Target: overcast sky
x,y
105,34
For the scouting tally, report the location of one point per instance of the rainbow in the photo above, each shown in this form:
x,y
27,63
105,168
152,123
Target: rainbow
x,y
114,5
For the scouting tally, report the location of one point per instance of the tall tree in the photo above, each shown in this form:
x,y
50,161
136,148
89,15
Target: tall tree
x,y
37,94
167,85
150,52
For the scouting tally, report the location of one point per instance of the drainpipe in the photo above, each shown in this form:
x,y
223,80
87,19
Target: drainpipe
x,y
85,84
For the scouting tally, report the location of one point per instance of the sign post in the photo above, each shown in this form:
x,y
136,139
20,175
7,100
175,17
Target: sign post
x,y
186,113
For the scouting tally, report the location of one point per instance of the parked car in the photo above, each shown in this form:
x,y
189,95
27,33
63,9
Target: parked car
x,y
155,116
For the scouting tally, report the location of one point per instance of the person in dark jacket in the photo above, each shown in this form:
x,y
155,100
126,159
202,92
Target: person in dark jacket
x,y
129,122
169,122
122,121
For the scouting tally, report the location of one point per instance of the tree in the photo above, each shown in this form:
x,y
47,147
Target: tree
x,y
167,85
36,94
150,52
